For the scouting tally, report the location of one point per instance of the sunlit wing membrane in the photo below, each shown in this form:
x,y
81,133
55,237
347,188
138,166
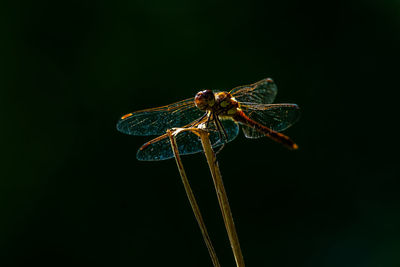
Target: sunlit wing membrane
x,y
277,117
156,121
188,143
261,92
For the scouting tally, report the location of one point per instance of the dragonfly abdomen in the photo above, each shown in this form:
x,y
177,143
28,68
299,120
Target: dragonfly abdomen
x,y
242,118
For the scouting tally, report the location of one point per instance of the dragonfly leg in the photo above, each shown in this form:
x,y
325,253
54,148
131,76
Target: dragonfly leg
x,y
208,119
199,120
220,126
224,137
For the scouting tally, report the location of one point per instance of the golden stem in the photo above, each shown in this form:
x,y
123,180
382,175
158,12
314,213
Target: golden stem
x,y
222,197
192,199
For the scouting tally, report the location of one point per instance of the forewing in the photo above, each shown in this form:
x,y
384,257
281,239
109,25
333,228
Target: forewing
x,y
188,143
261,92
156,121
277,117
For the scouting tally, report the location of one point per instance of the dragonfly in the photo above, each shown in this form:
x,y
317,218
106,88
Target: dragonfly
x,y
220,113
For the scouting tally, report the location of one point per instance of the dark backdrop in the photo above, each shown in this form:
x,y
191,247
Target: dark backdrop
x,y
73,193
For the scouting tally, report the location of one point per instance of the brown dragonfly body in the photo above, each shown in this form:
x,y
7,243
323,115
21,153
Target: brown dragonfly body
x,y
223,105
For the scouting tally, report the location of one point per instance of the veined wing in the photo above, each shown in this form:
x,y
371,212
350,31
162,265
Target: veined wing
x,y
155,121
188,143
277,117
261,92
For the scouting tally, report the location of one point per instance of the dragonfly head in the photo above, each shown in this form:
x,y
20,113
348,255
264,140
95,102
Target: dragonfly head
x,y
204,99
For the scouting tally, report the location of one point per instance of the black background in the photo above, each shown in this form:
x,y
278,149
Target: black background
x,y
73,193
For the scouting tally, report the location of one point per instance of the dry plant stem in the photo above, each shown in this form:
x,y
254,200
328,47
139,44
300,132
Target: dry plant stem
x,y
192,200
222,198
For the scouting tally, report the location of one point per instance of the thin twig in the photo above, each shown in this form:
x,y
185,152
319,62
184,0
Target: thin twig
x,y
192,199
222,197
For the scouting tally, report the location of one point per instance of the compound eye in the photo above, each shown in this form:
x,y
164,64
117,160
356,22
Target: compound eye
x,y
204,99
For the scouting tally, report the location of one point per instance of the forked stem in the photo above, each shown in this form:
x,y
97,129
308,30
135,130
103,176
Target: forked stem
x,y
219,188
192,199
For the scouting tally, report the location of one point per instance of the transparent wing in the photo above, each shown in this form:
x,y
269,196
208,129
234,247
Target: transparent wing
x,y
188,143
156,121
277,117
261,92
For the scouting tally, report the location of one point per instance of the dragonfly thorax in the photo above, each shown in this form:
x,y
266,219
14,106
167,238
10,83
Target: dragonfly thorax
x,y
225,104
